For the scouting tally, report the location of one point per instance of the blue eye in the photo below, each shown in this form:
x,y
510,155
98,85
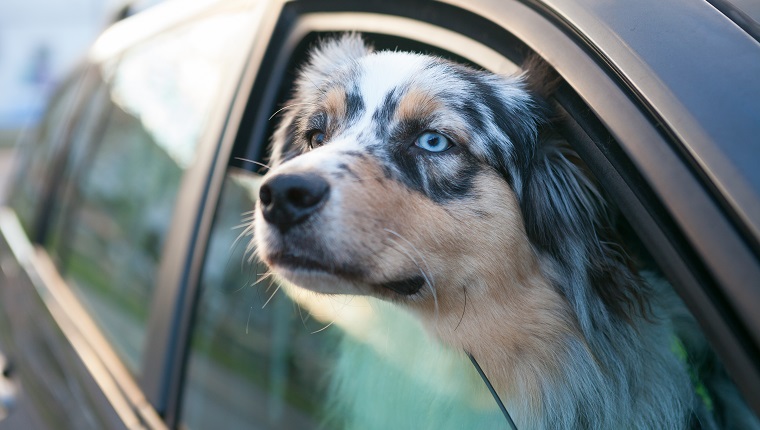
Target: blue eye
x,y
433,142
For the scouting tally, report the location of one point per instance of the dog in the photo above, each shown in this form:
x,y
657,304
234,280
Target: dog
x,y
444,190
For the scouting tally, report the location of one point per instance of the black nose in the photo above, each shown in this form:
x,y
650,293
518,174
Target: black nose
x,y
289,199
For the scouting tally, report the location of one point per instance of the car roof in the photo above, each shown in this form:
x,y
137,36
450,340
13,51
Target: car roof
x,y
152,21
745,13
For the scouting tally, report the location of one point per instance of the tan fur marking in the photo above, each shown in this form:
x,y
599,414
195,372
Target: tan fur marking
x,y
335,103
417,104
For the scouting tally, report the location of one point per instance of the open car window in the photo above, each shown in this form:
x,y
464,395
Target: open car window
x,y
292,358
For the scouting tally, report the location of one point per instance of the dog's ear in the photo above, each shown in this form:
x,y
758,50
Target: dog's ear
x,y
329,55
567,221
540,78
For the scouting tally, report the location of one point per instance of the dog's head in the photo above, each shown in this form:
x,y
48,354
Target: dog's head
x,y
410,178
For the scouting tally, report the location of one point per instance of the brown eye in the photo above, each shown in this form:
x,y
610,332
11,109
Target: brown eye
x,y
316,138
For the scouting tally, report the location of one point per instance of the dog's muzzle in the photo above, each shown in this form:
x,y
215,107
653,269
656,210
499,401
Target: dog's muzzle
x,y
290,199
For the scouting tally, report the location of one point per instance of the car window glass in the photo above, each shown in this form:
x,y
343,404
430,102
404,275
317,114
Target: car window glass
x,y
86,131
270,355
38,155
110,230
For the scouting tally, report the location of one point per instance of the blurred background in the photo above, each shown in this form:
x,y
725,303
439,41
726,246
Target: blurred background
x,y
40,42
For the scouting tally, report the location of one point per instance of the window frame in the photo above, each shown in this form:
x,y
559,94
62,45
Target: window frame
x,y
200,185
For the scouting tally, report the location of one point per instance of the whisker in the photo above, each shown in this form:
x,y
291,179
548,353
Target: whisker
x,y
290,106
253,162
248,231
245,224
300,314
269,275
315,85
461,317
324,328
270,297
412,246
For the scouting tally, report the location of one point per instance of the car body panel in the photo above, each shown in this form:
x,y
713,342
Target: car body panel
x,y
53,345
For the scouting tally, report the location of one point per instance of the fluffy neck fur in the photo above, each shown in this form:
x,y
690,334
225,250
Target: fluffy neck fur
x,y
552,375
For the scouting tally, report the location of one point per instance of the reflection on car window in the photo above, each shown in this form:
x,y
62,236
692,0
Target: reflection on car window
x,y
266,355
38,156
120,202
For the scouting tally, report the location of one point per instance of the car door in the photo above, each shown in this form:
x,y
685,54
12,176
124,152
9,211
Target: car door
x,y
260,356
85,245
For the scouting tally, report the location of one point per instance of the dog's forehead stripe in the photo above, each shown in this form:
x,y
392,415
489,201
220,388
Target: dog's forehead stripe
x,y
382,117
383,71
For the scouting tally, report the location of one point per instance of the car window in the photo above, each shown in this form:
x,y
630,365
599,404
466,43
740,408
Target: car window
x,y
271,355
268,355
109,231
38,156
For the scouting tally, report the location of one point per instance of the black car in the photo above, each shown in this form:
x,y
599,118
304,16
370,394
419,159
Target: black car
x,y
129,297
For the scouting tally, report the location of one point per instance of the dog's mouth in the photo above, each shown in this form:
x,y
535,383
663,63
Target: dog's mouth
x,y
405,287
295,262
290,261
299,263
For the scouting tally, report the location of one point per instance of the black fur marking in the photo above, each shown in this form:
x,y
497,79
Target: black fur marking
x,y
345,168
437,185
318,121
407,131
354,106
474,116
289,148
383,117
419,169
518,124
